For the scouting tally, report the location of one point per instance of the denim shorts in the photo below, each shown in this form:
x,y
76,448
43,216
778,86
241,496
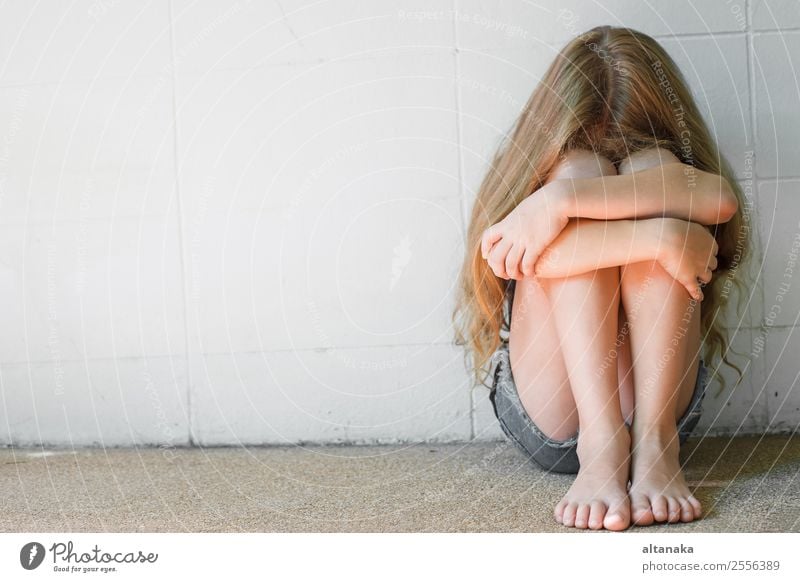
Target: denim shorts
x,y
554,455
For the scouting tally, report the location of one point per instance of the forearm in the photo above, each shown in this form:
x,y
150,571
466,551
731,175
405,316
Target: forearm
x,y
588,245
669,191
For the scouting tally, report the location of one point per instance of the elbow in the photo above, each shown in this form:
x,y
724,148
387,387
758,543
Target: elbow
x,y
728,202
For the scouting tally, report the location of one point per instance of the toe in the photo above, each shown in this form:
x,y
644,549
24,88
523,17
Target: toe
x,y
641,512
687,512
597,514
659,505
568,518
698,508
558,512
673,510
618,516
582,516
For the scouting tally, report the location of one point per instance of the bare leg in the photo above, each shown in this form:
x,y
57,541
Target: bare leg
x,y
665,343
586,315
562,331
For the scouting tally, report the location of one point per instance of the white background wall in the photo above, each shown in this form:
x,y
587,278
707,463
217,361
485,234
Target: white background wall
x,y
227,223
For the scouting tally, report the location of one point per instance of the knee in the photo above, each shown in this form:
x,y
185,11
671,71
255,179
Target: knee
x,y
584,296
647,158
581,163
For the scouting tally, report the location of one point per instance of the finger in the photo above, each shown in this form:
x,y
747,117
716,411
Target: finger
x,y
490,236
694,290
528,263
716,247
497,258
714,263
706,277
513,259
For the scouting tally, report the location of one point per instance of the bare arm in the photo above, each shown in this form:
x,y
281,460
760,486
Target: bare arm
x,y
587,245
665,192
672,190
686,250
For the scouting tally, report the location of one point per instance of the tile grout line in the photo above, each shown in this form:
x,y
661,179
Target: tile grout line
x,y
460,174
780,31
704,34
181,234
274,351
751,81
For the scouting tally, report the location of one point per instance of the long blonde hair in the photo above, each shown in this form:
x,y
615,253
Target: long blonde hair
x,y
615,91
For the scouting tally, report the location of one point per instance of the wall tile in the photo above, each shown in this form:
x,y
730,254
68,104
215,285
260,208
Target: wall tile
x,y
735,409
210,35
96,402
52,42
775,14
285,193
746,309
353,272
715,69
486,427
783,389
779,219
777,96
87,151
391,394
91,289
286,135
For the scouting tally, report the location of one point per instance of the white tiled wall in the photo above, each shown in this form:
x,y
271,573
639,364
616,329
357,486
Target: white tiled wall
x,y
241,222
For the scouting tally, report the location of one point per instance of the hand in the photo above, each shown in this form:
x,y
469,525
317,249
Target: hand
x,y
513,245
687,251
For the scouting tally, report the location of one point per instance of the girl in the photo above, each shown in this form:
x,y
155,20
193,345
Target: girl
x,y
599,246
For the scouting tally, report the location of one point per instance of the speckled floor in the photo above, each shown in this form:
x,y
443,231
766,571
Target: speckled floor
x,y
746,484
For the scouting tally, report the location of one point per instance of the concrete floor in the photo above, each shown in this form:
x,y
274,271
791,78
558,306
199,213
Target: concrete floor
x,y
746,485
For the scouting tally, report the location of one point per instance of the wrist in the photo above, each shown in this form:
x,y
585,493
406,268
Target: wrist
x,y
560,199
657,239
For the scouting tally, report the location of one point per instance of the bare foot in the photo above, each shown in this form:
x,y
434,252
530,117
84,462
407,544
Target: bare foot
x,y
598,498
658,490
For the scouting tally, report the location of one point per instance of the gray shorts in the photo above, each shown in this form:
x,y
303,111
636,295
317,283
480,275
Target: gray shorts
x,y
554,455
